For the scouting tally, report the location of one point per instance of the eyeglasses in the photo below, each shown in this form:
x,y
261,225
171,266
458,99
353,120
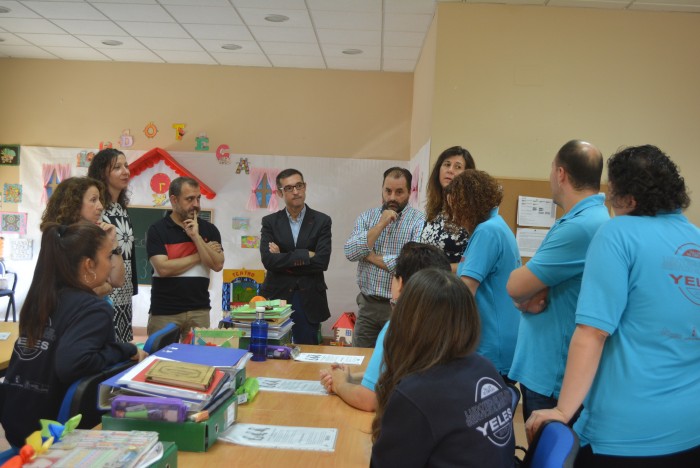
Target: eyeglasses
x,y
289,188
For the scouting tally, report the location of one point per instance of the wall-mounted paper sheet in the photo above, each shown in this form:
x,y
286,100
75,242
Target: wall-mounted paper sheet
x,y
529,240
534,211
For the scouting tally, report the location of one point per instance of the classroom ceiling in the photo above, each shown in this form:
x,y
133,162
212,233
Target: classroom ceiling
x,y
379,35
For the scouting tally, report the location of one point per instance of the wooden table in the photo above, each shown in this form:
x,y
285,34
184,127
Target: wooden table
x,y
353,446
7,345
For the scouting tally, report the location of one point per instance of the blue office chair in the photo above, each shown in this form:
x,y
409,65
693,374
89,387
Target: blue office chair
x,y
167,335
554,446
81,397
515,396
10,293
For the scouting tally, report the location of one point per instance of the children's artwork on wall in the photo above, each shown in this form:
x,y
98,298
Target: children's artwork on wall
x,y
13,222
242,165
160,183
9,155
105,145
12,193
126,140
250,242
179,130
262,195
84,158
21,249
52,175
242,285
240,224
222,154
150,130
202,142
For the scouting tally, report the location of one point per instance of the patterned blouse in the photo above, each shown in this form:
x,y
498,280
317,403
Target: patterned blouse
x,y
452,243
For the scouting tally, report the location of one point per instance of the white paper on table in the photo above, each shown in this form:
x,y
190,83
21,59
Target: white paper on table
x,y
282,437
4,335
534,211
329,358
529,240
309,387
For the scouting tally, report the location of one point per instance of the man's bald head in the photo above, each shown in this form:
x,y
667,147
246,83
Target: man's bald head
x,y
583,163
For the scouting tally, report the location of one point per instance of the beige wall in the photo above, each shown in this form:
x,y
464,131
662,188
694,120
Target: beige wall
x,y
277,111
513,83
423,91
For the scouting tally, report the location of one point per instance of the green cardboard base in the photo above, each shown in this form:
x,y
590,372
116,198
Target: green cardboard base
x,y
169,459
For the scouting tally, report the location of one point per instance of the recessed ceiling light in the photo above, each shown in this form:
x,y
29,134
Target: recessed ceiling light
x,y
4,9
112,42
352,51
2,40
231,47
276,18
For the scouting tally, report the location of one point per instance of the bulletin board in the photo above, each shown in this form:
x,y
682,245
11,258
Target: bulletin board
x,y
142,217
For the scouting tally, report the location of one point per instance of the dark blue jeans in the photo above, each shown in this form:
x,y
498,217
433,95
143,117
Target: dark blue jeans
x,y
535,401
303,331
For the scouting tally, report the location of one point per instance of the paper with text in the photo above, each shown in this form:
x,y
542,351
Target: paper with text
x,y
330,358
282,437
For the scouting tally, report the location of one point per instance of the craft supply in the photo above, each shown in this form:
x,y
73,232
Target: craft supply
x,y
151,408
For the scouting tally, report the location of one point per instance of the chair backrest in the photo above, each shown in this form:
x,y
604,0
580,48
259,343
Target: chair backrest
x,y
515,396
4,272
167,335
81,397
554,446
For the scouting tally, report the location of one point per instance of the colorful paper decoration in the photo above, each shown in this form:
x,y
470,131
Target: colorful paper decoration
x,y
52,175
13,222
9,155
126,140
21,249
243,166
84,158
150,130
202,142
105,145
241,224
179,130
12,193
250,242
160,183
222,154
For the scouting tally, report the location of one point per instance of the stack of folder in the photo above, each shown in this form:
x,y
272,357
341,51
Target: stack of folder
x,y
277,315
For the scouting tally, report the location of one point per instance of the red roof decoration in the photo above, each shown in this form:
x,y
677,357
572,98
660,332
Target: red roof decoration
x,y
150,158
346,320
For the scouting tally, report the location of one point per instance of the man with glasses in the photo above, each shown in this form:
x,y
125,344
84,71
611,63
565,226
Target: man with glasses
x,y
375,243
295,247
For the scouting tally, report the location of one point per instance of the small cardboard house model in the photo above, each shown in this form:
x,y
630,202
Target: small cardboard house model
x,y
343,329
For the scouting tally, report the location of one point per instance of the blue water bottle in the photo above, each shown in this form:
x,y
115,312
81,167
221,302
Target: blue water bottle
x,y
258,335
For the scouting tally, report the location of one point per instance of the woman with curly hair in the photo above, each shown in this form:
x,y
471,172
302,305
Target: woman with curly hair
x,y
449,238
110,167
492,253
439,403
82,199
635,353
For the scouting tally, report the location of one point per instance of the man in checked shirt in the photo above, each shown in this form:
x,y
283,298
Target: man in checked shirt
x,y
375,243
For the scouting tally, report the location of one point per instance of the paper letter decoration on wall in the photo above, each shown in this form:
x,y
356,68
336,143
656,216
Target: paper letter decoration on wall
x,y
222,154
126,140
179,130
12,193
105,145
202,142
243,166
150,130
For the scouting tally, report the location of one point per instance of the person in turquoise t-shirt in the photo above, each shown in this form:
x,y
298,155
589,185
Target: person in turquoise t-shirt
x,y
412,258
546,288
636,350
491,255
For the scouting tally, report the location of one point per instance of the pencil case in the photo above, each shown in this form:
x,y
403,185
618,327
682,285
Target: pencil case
x,y
150,408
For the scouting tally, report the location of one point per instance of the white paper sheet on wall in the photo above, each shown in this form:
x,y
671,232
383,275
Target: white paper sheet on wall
x,y
536,212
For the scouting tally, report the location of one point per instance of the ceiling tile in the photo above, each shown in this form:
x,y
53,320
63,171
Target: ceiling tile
x,y
355,21
176,56
242,60
297,61
372,6
291,48
370,64
144,2
17,10
56,40
402,53
205,14
214,31
65,10
165,43
154,29
131,55
195,2
93,28
335,50
399,65
271,4
77,53
135,12
96,42
404,38
410,6
11,39
25,52
247,47
272,34
24,25
256,17
347,36
407,22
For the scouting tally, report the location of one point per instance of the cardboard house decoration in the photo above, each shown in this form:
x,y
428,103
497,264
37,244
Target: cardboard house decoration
x,y
343,329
